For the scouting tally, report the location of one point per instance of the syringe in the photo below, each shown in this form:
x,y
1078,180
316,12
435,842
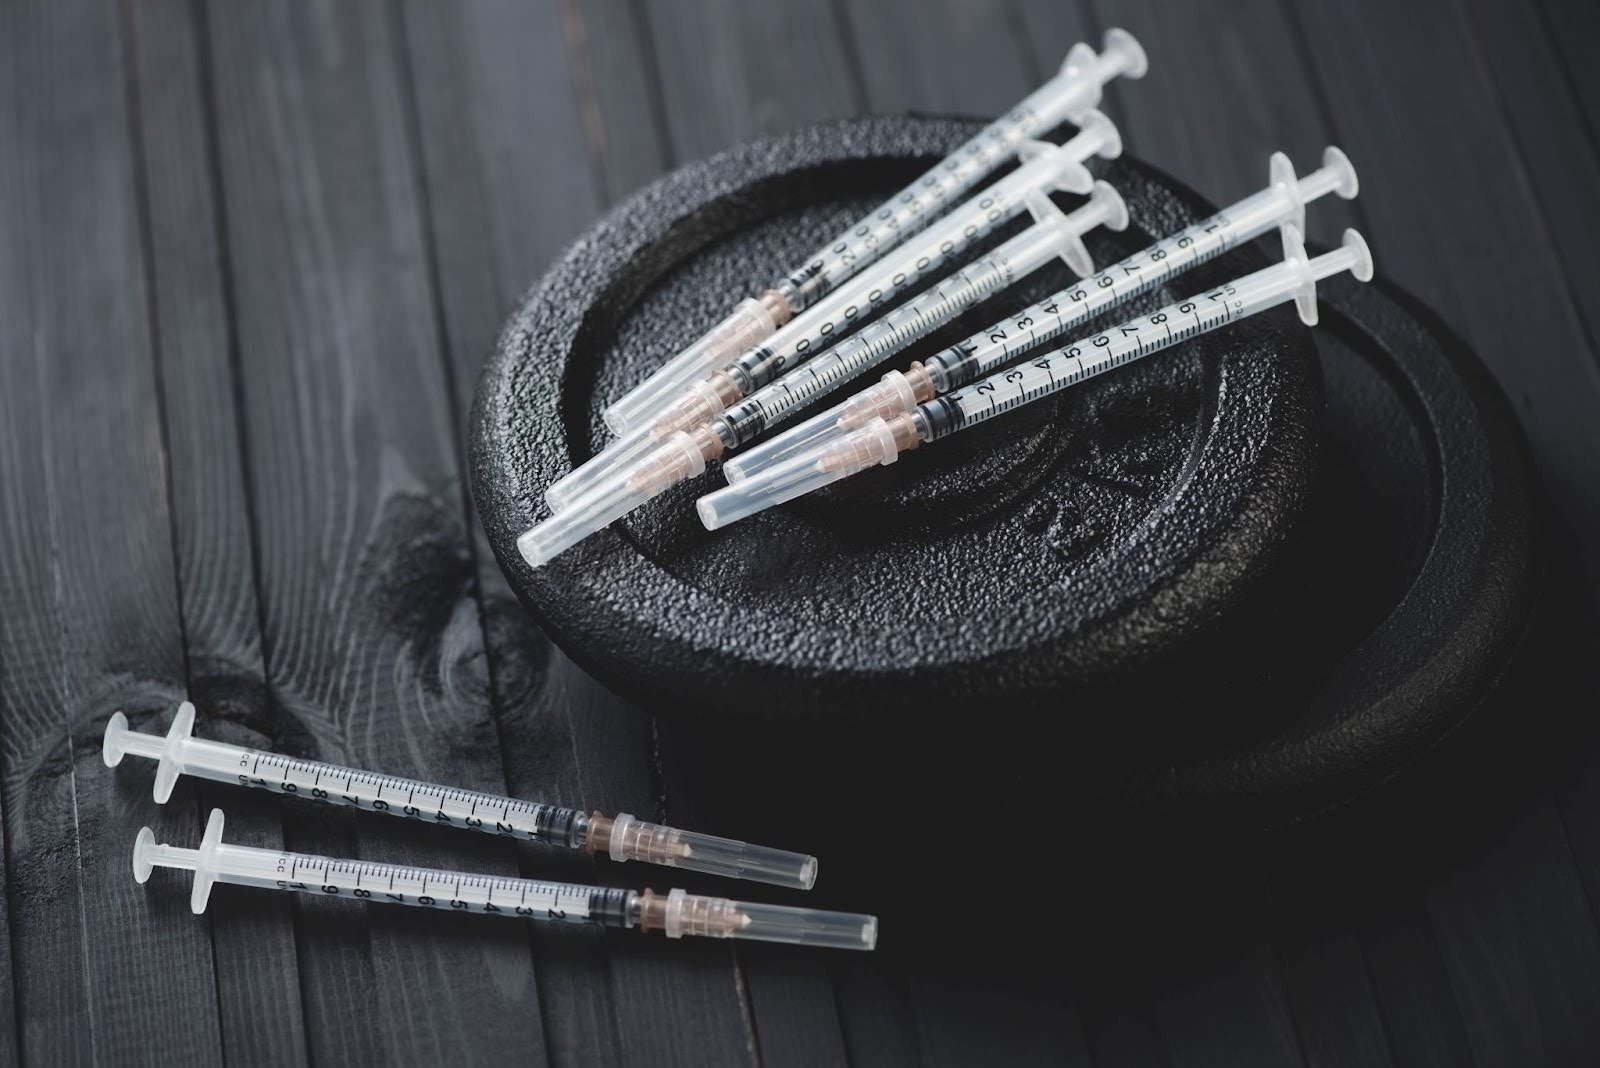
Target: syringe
x,y
1044,167
1053,234
881,441
1282,201
619,837
676,913
1074,89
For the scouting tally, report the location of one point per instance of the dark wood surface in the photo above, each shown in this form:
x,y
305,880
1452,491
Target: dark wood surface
x,y
251,256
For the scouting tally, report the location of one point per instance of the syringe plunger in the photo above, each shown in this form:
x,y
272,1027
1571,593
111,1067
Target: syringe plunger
x,y
878,441
1075,89
621,837
676,913
1282,202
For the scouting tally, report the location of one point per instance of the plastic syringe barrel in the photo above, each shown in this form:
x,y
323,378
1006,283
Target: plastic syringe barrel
x,y
880,441
1046,167
622,838
677,913
1282,201
1074,89
1040,376
1054,235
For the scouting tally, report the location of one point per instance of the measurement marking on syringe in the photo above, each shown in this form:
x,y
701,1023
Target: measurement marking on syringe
x,y
560,826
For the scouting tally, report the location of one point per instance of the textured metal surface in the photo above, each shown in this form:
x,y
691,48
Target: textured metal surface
x,y
1178,592
1052,553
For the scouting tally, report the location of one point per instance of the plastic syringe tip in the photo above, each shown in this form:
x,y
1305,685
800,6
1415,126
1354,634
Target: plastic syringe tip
x,y
598,469
877,442
679,457
694,407
752,322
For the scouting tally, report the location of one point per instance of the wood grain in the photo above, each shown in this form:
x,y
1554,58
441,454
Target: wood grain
x,y
101,965
732,71
253,946
251,257
372,637
1247,93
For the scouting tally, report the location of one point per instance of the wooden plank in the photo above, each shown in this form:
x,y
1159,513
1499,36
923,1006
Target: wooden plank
x,y
1047,28
103,967
875,1015
1519,316
1513,894
951,57
23,534
1245,93
1543,107
505,159
1518,940
570,740
1422,1019
616,81
1573,30
732,71
258,984
1213,974
575,756
1317,901
9,1053
1561,167
1008,999
1119,1021
695,988
728,72
505,147
372,636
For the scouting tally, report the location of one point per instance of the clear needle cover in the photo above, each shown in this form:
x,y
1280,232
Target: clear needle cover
x,y
625,838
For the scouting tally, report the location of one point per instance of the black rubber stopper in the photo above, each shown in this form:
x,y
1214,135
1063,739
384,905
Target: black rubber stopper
x,y
1145,587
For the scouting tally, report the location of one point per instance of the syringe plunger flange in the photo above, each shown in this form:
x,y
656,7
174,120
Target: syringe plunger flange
x,y
147,854
119,741
1123,50
1120,54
